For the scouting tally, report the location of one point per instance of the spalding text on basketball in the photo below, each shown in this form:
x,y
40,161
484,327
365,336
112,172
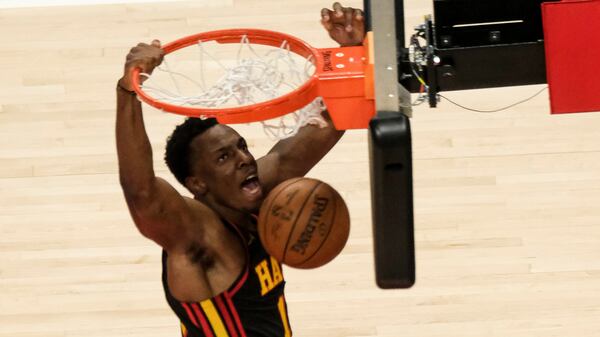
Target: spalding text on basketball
x,y
314,222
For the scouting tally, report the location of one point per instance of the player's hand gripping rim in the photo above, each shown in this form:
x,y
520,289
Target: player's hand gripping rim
x,y
144,56
345,25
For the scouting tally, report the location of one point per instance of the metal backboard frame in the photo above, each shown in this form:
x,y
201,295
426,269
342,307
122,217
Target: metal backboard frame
x,y
390,152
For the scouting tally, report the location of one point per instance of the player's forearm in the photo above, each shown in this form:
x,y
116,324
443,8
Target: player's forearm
x,y
317,142
133,146
303,151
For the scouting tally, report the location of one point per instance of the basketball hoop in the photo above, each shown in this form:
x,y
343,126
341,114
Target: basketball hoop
x,y
341,76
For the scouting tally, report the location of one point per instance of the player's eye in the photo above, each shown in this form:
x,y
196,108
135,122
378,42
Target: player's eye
x,y
243,146
223,157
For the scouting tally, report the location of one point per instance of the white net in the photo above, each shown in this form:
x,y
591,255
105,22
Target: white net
x,y
231,75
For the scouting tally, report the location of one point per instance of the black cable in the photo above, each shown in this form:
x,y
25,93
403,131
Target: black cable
x,y
414,42
496,110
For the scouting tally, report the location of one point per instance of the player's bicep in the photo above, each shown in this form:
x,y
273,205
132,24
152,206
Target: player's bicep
x,y
159,212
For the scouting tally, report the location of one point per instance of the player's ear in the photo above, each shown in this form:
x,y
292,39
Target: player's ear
x,y
196,185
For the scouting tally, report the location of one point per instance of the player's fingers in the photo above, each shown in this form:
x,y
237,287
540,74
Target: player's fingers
x,y
338,9
149,65
348,18
325,14
327,25
153,62
358,15
158,59
146,63
326,19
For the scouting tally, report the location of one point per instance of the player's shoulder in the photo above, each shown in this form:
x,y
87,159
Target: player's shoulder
x,y
199,210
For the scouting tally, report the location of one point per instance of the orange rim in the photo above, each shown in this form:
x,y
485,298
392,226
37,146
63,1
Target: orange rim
x,y
274,108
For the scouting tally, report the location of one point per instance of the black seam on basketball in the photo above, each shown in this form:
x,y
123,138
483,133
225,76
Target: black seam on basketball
x,y
297,217
329,231
271,204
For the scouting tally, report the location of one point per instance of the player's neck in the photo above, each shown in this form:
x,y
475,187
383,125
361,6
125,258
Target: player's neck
x,y
240,219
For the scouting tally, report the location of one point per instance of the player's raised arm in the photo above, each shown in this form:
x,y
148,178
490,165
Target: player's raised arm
x,y
295,156
156,207
345,25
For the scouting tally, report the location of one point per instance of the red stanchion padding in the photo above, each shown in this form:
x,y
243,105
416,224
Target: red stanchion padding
x,y
572,42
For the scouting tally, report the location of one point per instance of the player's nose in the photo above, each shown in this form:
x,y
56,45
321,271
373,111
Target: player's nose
x,y
245,158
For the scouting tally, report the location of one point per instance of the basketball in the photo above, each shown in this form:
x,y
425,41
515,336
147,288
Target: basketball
x,y
304,223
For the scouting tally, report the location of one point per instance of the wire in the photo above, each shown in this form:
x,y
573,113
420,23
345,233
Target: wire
x,y
423,93
495,110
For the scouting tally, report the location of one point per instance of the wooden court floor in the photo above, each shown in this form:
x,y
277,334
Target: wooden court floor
x,y
507,205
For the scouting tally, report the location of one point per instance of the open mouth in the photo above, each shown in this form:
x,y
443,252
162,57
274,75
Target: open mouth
x,y
251,185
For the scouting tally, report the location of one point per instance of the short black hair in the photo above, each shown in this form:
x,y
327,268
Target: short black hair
x,y
177,153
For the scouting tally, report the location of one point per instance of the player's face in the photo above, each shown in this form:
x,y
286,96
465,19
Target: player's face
x,y
227,168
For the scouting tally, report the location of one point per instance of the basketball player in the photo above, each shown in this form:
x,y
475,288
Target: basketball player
x,y
217,276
